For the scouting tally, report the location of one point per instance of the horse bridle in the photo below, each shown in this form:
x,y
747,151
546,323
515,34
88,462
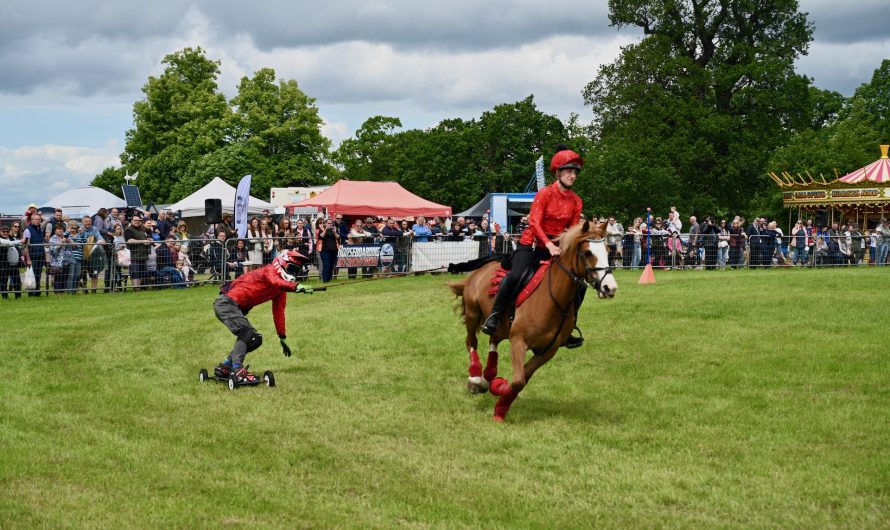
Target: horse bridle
x,y
589,272
578,281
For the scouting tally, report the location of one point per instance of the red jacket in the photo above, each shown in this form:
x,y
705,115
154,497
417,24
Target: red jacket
x,y
553,211
259,286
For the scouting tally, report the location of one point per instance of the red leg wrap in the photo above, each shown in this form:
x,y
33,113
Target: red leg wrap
x,y
500,387
475,369
491,367
503,405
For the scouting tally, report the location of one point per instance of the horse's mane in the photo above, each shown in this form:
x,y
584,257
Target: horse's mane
x,y
571,238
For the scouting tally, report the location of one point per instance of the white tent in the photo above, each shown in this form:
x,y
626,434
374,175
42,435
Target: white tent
x,y
193,205
87,200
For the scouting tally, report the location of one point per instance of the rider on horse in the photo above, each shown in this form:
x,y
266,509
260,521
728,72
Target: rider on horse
x,y
554,209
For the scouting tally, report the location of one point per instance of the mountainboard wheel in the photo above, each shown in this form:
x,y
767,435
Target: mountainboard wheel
x,y
202,375
233,381
269,378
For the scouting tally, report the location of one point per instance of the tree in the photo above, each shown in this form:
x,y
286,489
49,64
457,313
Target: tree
x,y
180,120
691,112
360,157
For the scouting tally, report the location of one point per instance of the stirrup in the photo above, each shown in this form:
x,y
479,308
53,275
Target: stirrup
x,y
492,323
574,342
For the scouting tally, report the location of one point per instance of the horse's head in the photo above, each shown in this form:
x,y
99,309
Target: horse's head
x,y
584,246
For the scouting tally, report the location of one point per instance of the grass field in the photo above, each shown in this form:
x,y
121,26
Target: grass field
x,y
748,399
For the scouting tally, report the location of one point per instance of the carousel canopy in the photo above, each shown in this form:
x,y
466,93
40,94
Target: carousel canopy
x,y
878,171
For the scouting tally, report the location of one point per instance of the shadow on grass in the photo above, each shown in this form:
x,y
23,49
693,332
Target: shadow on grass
x,y
529,409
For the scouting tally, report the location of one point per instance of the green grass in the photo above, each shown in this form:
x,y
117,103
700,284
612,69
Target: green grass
x,y
710,399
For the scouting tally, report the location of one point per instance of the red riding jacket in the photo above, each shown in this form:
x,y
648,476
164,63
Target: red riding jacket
x,y
259,286
553,210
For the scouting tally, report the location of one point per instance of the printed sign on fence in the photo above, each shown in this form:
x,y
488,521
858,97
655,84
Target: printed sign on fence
x,y
359,256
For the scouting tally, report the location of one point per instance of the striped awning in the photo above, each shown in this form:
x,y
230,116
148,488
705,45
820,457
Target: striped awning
x,y
878,171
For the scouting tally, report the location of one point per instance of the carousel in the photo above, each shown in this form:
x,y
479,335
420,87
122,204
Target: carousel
x,y
862,196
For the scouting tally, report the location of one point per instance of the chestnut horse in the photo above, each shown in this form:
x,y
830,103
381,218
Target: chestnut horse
x,y
543,322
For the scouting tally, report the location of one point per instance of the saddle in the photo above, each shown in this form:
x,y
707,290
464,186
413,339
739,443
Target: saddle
x,y
527,283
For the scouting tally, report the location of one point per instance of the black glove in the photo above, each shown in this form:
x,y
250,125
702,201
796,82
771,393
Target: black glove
x,y
285,349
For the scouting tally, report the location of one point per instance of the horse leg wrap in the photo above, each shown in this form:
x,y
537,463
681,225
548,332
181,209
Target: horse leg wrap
x,y
500,387
503,405
475,369
491,366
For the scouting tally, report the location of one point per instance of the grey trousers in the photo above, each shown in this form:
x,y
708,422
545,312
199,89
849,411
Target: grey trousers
x,y
228,312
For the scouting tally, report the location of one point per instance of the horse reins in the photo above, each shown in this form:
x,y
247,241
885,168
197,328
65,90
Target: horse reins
x,y
588,272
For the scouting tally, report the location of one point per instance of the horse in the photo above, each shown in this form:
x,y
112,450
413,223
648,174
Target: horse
x,y
544,320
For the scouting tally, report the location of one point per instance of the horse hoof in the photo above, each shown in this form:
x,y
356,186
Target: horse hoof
x,y
477,385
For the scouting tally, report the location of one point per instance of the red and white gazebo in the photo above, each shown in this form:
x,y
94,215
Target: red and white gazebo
x,y
877,172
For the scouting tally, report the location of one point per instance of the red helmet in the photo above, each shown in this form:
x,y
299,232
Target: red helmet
x,y
566,159
288,264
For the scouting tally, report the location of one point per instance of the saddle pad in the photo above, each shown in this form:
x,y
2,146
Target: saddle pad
x,y
527,289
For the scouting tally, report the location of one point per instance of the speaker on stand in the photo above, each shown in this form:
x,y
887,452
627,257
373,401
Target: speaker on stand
x,y
212,211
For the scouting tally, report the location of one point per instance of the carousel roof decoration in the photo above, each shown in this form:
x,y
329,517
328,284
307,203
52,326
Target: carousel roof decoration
x,y
877,172
786,179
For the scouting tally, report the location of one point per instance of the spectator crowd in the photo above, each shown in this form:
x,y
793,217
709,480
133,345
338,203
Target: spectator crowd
x,y
128,248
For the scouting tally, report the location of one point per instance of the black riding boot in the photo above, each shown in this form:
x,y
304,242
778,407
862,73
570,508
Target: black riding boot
x,y
576,342
501,301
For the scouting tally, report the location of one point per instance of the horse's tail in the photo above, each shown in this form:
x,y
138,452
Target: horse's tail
x,y
457,288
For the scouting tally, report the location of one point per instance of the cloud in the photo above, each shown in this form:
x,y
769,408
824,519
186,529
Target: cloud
x,y
35,173
848,22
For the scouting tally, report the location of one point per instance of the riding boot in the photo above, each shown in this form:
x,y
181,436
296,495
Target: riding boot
x,y
576,342
501,301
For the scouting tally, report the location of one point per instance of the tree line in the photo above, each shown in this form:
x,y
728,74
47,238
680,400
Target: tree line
x,y
696,113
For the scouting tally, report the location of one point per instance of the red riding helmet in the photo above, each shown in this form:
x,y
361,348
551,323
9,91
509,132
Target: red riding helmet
x,y
288,264
566,159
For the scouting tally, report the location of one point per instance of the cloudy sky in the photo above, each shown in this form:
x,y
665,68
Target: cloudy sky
x,y
72,70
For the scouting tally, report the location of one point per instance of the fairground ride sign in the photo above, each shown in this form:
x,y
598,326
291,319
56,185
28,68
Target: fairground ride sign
x,y
838,196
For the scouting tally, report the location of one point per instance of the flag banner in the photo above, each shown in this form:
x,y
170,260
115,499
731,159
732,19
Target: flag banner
x,y
539,173
242,196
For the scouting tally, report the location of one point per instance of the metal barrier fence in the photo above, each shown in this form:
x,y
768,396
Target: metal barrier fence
x,y
117,267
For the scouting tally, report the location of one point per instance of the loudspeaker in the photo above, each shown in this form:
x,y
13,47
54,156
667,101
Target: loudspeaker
x,y
821,218
212,211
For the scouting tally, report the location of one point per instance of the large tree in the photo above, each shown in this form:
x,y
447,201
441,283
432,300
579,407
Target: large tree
x,y
273,133
689,115
180,120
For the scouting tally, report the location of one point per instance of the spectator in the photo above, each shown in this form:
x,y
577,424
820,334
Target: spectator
x,y
165,224
94,254
693,243
267,233
237,257
182,235
422,231
858,242
49,227
329,239
458,230
883,233
722,245
59,258
799,243
614,233
254,245
674,222
121,258
675,250
271,225
833,236
821,251
188,269
10,257
305,243
342,228
391,235
708,238
755,244
35,249
658,243
286,236
359,236
138,243
167,256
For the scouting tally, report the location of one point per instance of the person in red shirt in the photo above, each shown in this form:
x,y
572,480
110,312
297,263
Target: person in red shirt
x,y
555,209
236,299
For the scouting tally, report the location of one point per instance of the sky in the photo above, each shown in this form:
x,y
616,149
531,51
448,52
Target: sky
x,y
71,71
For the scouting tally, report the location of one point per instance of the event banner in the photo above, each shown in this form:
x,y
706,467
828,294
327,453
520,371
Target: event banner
x,y
242,196
352,256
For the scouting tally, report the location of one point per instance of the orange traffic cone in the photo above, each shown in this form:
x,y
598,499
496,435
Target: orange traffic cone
x,y
648,276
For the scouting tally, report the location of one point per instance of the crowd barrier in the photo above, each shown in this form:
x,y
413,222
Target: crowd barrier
x,y
111,268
